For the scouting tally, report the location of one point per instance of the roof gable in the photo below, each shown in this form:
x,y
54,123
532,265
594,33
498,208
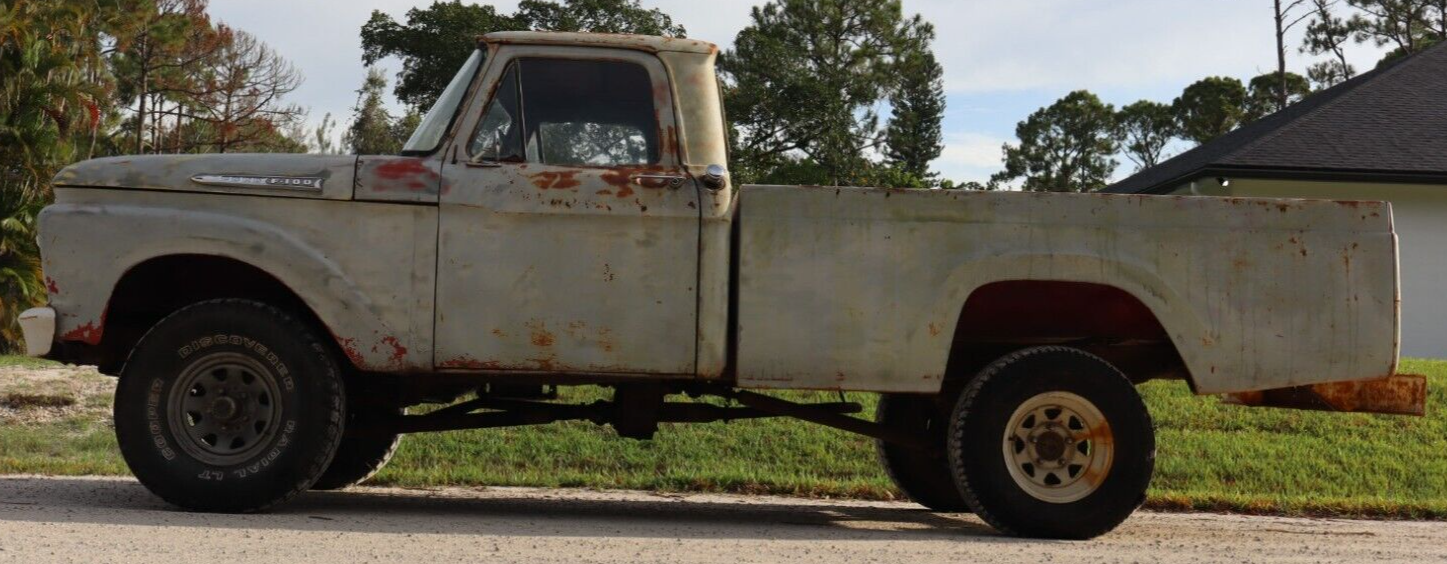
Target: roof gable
x,y
1391,120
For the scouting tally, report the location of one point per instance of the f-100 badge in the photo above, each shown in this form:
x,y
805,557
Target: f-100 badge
x,y
307,183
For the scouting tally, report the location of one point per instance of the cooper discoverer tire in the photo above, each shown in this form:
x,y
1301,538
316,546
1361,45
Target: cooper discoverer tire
x,y
923,476
1052,442
229,406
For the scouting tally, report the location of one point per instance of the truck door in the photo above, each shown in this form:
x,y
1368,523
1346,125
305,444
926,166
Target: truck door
x,y
568,236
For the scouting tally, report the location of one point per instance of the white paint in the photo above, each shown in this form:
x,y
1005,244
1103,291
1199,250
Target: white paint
x,y
1420,217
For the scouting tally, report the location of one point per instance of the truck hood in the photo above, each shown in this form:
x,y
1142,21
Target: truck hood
x,y
285,175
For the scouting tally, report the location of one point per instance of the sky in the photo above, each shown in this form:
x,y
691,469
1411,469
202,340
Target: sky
x,y
1002,59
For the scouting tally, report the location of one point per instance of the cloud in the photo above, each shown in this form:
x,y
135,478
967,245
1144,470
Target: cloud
x,y
1002,58
992,45
969,156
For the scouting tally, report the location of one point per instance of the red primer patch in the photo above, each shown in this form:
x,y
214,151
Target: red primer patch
x,y
398,351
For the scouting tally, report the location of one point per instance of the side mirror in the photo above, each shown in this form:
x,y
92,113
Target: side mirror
x,y
713,177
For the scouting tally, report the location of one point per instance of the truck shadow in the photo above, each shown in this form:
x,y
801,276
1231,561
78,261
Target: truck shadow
x,y
504,511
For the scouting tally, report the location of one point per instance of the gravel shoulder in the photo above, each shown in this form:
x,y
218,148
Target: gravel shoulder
x,y
116,520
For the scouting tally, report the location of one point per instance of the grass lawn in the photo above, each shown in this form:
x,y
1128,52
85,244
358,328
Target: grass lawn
x,y
1210,455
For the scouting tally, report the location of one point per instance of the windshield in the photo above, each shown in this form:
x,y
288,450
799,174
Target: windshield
x,y
429,133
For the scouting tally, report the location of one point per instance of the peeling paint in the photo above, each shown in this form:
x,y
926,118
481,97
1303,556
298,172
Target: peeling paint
x,y
349,348
555,180
398,351
90,333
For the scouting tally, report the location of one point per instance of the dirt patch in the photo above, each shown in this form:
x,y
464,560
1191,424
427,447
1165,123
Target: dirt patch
x,y
22,401
34,396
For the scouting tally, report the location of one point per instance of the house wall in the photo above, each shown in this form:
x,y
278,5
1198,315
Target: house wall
x,y
1420,218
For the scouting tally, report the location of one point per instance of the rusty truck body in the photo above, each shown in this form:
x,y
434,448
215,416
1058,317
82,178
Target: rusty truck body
x,y
562,217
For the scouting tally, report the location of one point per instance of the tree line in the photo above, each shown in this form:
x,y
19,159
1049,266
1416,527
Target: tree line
x,y
807,84
1072,144
92,78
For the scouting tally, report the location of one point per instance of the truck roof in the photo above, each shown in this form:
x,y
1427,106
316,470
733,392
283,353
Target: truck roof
x,y
651,43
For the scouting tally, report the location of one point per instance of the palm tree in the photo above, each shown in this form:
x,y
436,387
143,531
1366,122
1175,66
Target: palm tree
x,y
20,278
49,55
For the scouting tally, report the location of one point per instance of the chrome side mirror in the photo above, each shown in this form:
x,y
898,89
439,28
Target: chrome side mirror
x,y
713,177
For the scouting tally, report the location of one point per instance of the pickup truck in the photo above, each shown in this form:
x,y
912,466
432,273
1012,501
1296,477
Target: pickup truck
x,y
563,217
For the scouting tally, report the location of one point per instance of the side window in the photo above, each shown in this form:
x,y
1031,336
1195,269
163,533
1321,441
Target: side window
x,y
589,113
499,136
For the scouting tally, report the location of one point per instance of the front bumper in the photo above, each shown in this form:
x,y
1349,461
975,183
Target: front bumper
x,y
38,324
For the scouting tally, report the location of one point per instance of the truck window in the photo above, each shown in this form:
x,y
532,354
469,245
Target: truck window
x,y
429,133
499,134
588,113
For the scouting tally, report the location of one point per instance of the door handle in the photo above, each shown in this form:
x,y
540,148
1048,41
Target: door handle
x,y
672,181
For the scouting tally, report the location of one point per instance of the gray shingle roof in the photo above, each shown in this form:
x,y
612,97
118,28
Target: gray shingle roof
x,y
1389,123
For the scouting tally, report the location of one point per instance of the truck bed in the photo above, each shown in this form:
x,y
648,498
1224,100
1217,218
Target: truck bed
x,y
1252,293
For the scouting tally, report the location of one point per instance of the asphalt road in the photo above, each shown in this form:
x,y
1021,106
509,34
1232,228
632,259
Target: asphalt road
x,y
116,520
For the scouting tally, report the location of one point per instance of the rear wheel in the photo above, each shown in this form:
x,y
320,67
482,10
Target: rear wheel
x,y
1052,442
922,475
229,405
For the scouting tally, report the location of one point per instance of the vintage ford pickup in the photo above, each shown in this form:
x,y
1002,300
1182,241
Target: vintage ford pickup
x,y
562,217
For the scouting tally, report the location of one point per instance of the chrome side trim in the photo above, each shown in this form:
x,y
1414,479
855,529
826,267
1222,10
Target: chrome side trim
x,y
304,183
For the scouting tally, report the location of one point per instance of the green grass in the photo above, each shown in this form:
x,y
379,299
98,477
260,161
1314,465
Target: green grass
x,y
1211,456
25,361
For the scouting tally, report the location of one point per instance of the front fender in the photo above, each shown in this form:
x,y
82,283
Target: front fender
x,y
374,312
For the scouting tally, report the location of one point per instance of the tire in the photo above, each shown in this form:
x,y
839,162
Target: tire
x,y
1054,402
361,454
229,406
923,476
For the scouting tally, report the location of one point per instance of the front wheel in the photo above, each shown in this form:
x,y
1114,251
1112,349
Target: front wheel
x,y
1052,442
230,406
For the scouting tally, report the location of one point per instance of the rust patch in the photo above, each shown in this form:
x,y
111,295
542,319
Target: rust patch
x,y
408,174
605,339
90,333
398,351
499,333
543,363
1401,394
934,330
349,348
539,335
560,180
465,362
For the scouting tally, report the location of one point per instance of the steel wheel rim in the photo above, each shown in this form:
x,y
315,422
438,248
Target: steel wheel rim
x,y
224,408
1058,447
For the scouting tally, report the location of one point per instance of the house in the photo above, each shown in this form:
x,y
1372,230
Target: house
x,y
1379,136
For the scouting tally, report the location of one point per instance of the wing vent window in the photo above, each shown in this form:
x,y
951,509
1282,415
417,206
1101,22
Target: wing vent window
x,y
499,134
